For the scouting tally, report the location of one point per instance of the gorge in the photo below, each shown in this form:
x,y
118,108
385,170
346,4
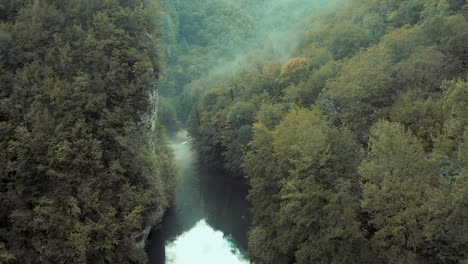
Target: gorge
x,y
209,219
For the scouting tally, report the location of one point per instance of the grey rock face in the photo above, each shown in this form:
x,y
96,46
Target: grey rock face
x,y
149,120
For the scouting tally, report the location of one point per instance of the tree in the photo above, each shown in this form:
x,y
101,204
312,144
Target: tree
x,y
309,168
423,117
362,89
347,39
425,70
398,183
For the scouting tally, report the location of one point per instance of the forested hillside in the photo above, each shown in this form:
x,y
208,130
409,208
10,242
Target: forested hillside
x,y
206,41
198,36
347,118
84,167
356,146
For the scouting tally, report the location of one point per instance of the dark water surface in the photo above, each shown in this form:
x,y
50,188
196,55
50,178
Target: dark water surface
x,y
209,220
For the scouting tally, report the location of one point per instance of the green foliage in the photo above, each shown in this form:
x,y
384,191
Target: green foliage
x,y
85,165
361,88
193,32
398,182
385,76
424,117
168,115
83,168
309,169
206,41
346,39
5,255
425,70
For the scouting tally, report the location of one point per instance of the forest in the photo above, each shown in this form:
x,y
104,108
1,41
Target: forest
x,y
355,144
84,164
346,118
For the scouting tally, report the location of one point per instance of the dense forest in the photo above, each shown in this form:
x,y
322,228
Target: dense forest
x,y
355,146
84,167
347,118
205,41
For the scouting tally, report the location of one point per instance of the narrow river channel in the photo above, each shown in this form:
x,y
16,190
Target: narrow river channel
x,y
210,217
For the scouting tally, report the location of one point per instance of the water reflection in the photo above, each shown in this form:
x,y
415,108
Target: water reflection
x,y
202,244
206,200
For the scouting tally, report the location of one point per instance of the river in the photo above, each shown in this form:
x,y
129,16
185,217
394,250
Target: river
x,y
210,217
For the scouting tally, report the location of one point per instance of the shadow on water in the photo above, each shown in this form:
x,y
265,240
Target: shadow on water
x,y
201,194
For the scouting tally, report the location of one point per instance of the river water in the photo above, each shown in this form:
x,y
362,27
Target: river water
x,y
210,217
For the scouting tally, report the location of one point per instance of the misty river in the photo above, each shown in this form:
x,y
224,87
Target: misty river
x,y
210,217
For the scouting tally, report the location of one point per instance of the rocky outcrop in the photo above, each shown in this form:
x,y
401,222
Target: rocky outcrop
x,y
148,126
141,237
149,120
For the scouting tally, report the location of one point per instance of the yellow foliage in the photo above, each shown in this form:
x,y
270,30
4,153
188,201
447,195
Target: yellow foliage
x,y
294,65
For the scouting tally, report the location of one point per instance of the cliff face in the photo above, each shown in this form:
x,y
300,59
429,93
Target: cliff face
x,y
163,177
149,120
141,237
148,126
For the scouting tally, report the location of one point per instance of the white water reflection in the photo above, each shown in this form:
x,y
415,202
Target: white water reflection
x,y
203,244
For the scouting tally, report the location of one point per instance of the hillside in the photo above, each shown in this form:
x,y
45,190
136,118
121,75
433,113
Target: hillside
x,y
355,147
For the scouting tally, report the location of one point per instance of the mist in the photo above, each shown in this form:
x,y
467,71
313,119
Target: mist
x,y
209,41
278,26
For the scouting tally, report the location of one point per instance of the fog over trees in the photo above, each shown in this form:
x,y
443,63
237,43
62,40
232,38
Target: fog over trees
x,y
347,118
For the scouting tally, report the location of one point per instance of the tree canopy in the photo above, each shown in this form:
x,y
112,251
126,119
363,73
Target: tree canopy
x,y
84,165
355,144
